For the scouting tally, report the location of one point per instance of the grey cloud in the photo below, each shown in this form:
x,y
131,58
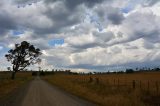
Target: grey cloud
x,y
67,13
153,36
147,34
88,66
119,67
61,18
150,2
148,45
119,34
6,23
128,46
25,2
72,4
115,16
116,50
132,47
59,15
42,44
104,36
147,30
134,28
56,61
85,46
101,39
89,3
109,13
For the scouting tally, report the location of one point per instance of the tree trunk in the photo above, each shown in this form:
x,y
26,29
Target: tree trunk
x,y
15,69
13,75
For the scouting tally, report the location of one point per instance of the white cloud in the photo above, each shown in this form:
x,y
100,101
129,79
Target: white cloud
x,y
96,35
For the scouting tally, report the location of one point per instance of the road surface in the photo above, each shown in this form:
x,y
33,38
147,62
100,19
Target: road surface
x,y
41,93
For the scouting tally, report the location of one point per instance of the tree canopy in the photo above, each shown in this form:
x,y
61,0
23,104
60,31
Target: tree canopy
x,y
23,55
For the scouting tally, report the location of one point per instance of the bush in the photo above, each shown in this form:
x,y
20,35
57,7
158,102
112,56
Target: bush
x,y
34,73
129,71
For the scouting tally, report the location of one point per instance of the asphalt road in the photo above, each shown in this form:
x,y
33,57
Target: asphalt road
x,y
41,93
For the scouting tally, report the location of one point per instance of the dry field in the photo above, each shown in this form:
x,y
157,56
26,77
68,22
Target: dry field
x,y
141,89
7,85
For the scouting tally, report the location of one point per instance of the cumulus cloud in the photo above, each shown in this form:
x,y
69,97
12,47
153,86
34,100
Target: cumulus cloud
x,y
150,2
72,4
6,23
104,36
97,34
115,16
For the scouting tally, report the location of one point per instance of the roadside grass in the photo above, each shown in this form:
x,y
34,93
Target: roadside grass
x,y
7,85
112,89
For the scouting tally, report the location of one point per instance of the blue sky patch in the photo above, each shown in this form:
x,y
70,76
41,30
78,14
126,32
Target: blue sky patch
x,y
17,32
131,5
26,3
94,19
126,9
54,42
1,48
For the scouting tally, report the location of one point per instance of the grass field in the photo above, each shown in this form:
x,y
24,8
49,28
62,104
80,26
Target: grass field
x,y
141,89
7,85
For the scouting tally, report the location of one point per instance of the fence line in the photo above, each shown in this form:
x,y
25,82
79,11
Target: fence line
x,y
149,86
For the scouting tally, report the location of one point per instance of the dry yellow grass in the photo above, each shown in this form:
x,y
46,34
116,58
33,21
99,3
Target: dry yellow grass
x,y
7,85
112,89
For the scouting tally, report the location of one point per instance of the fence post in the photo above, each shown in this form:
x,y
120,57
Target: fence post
x,y
133,84
140,85
148,86
118,83
90,79
114,82
157,87
97,80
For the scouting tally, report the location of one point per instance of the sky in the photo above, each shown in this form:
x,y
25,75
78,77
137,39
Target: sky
x,y
84,35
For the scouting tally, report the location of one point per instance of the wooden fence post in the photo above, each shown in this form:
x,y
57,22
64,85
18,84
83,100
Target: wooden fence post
x,y
140,84
148,86
157,87
90,79
118,83
133,84
97,80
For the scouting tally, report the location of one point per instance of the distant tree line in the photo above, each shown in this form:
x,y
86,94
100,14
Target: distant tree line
x,y
69,72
